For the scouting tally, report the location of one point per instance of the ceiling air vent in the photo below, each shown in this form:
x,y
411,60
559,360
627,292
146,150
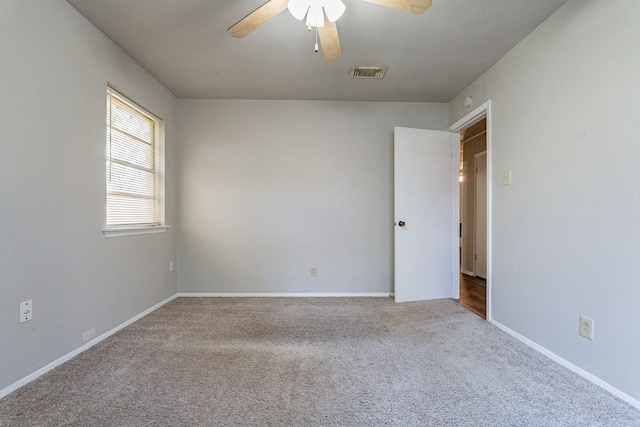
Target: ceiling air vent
x,y
367,72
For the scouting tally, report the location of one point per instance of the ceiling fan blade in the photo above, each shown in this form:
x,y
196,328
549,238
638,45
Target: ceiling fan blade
x,y
329,40
257,18
414,6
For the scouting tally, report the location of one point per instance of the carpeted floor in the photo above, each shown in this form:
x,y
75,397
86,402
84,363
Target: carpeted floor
x,y
312,362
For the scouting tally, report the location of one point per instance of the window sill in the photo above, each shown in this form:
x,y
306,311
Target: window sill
x,y
133,231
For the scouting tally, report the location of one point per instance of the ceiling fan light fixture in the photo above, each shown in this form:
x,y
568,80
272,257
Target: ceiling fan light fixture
x,y
313,9
334,9
298,8
315,15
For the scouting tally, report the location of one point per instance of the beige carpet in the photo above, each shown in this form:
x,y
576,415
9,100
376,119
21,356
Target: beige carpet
x,y
312,362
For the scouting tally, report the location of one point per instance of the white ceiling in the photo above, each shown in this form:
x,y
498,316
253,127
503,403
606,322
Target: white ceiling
x,y
431,57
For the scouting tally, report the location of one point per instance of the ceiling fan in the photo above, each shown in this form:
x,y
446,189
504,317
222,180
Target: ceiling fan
x,y
320,14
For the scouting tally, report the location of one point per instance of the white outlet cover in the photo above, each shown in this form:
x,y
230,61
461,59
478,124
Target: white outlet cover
x,y
586,327
88,335
26,311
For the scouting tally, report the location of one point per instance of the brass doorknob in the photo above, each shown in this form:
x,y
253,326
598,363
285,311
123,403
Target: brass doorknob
x,y
402,223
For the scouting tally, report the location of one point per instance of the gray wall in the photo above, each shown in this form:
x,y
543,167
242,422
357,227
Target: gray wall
x,y
55,68
566,233
269,189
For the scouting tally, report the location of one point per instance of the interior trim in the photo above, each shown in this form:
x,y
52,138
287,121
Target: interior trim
x,y
586,375
24,381
284,294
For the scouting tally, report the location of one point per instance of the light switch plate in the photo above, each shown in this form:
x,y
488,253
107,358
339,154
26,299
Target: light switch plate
x,y
506,177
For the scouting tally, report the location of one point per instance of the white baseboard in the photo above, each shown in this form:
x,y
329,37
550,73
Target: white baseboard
x,y
11,388
284,294
551,355
5,391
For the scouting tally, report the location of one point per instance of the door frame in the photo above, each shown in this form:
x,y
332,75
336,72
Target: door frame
x,y
481,112
483,153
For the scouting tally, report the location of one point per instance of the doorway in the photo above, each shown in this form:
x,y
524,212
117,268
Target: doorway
x,y
473,218
475,210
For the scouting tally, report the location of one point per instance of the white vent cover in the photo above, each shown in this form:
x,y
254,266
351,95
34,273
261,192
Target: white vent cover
x,y
367,72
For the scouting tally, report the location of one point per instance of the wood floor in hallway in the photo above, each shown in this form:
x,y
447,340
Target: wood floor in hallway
x,y
473,294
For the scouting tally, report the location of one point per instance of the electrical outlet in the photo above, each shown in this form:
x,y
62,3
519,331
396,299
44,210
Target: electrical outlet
x,y
88,335
314,271
586,327
26,311
170,266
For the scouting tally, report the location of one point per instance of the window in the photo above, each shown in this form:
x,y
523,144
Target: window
x,y
134,169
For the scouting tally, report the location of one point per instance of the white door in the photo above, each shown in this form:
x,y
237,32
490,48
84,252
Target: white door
x,y
426,192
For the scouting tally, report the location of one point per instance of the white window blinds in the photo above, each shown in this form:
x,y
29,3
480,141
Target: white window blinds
x,y
132,177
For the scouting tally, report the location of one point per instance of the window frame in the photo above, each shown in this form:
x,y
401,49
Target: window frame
x,y
159,226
